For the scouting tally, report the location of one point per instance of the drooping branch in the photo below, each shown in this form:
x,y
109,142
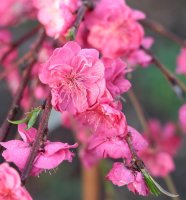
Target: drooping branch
x,y
43,125
5,127
139,110
160,29
178,86
19,42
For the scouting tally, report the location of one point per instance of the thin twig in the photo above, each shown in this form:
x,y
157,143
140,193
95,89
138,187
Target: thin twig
x,y
160,29
5,127
139,111
43,125
178,86
19,42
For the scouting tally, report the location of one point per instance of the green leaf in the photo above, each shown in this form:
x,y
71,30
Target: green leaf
x,y
71,34
154,187
30,118
24,120
33,117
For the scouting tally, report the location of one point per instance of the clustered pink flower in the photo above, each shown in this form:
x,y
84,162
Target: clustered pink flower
x,y
10,184
56,15
50,155
181,62
121,175
182,117
85,89
163,145
114,33
75,76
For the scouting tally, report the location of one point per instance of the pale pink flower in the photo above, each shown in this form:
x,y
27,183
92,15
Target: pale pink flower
x,y
121,175
10,184
182,117
12,76
115,71
56,15
76,77
50,155
114,33
164,138
181,62
15,11
158,163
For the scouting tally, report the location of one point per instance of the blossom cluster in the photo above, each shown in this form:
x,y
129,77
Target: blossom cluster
x,y
86,79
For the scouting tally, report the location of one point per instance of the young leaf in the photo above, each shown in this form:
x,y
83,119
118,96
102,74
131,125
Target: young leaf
x,y
24,120
33,117
154,187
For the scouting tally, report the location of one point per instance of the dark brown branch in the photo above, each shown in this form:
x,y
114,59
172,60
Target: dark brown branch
x,y
178,86
19,42
40,133
86,5
5,127
160,29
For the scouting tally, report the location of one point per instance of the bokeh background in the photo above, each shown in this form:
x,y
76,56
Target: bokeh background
x,y
154,93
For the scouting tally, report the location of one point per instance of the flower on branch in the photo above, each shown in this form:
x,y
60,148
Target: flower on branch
x,y
10,184
50,154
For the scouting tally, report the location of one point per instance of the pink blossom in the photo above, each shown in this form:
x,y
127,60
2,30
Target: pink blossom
x,y
159,163
182,117
181,62
10,184
164,137
14,11
114,33
138,141
115,71
76,77
139,56
121,175
51,154
56,15
163,145
138,186
104,118
109,146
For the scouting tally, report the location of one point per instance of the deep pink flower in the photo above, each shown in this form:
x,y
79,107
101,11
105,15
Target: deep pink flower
x,y
121,175
109,146
181,62
182,117
138,141
115,71
51,154
10,184
56,15
139,186
103,118
76,77
114,33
